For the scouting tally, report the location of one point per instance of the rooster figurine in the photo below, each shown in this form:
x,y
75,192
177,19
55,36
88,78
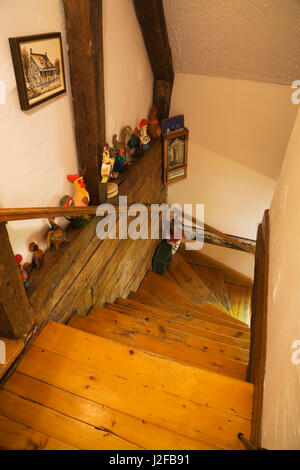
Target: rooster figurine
x,y
80,198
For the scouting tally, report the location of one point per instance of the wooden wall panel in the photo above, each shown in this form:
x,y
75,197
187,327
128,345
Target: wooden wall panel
x,y
89,271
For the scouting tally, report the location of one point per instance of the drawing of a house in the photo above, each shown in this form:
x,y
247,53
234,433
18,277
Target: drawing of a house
x,y
41,71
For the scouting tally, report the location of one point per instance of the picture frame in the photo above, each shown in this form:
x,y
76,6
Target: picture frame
x,y
175,152
172,124
39,68
176,174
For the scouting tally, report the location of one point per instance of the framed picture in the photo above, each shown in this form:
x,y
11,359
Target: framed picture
x,y
175,149
172,124
177,174
39,68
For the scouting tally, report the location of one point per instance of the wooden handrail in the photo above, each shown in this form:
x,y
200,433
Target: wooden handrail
x,y
27,213
226,237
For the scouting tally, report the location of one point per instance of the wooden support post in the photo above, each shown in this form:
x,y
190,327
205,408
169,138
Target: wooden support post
x,y
16,315
85,49
151,17
258,346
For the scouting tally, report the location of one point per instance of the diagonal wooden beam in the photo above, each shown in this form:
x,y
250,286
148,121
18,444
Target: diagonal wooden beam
x,y
85,49
150,14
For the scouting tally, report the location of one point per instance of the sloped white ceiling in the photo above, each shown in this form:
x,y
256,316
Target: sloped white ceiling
x,y
245,39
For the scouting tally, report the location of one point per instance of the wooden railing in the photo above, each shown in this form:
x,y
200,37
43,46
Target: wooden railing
x,y
224,236
7,215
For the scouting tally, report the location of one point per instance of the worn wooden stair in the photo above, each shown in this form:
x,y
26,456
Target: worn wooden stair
x,y
163,369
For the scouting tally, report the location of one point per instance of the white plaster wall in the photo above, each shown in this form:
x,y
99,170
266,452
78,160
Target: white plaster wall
x,y
281,407
127,70
37,147
239,132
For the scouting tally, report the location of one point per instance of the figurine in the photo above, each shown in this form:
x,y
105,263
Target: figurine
x,y
37,257
107,167
80,198
154,125
134,141
107,170
120,162
24,274
123,143
55,235
144,138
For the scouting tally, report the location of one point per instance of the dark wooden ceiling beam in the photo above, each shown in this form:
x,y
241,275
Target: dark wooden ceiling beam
x,y
85,50
150,14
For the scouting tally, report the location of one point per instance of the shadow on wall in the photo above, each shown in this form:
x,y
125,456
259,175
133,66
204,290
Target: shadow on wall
x,y
247,122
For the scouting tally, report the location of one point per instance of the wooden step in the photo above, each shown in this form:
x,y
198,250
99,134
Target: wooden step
x,y
183,325
145,435
15,436
57,425
134,333
132,399
186,277
171,292
164,331
229,274
179,306
144,368
160,286
186,323
13,350
212,408
240,300
214,281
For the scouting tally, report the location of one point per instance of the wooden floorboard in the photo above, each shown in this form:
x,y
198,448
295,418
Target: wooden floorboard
x,y
240,300
167,349
231,396
174,413
15,436
193,326
214,281
124,426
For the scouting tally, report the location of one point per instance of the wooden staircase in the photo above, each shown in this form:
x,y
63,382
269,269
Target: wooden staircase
x,y
163,369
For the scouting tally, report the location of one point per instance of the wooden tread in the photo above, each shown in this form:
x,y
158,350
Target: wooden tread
x,y
229,274
156,339
214,281
240,300
165,331
183,275
73,389
194,326
182,307
164,289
